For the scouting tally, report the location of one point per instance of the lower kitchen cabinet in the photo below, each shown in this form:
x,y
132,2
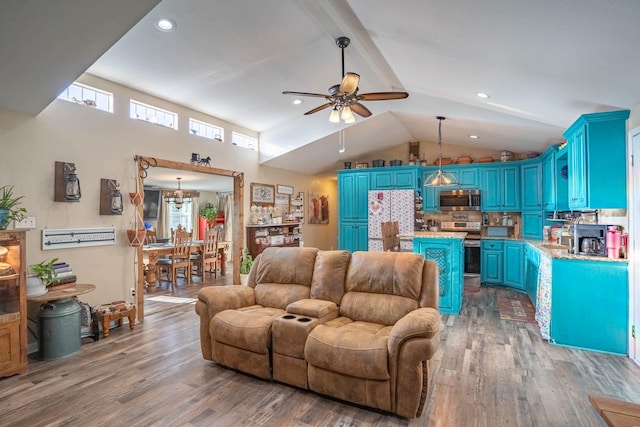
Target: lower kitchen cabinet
x,y
502,263
449,255
354,236
491,262
531,269
590,305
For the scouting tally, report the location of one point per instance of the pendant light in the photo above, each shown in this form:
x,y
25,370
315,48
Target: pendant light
x,y
440,178
177,197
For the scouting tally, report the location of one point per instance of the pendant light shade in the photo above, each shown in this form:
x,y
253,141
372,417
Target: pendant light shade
x,y
335,115
440,178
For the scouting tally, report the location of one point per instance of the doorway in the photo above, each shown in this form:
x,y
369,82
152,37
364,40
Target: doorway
x,y
145,163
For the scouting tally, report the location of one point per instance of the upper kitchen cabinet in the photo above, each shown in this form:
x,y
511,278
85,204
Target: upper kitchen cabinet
x,y
531,174
596,156
396,178
467,175
500,186
353,194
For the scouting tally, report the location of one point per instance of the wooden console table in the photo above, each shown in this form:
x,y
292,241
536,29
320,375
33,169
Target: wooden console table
x,y
79,289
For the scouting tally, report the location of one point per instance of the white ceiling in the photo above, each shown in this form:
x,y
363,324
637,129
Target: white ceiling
x,y
543,62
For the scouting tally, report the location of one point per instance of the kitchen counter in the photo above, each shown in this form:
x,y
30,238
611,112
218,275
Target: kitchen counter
x,y
435,235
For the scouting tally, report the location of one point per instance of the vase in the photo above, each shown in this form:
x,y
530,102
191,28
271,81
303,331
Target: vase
x,y
4,223
35,287
244,279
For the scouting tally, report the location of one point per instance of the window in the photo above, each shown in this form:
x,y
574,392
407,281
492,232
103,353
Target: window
x,y
180,216
88,96
148,113
205,130
244,141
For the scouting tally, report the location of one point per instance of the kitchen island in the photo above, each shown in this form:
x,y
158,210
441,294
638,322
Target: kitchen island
x,y
445,249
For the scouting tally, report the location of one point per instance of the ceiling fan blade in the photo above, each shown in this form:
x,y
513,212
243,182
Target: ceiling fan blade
x,y
319,95
322,107
360,109
349,83
382,96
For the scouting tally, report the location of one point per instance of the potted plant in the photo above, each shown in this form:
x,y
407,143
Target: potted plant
x,y
41,276
9,207
207,219
245,266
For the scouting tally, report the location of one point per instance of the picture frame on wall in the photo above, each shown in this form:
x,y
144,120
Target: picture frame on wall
x,y
284,189
264,194
318,208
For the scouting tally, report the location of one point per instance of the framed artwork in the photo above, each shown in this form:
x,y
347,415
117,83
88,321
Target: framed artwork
x,y
282,199
284,189
262,194
318,208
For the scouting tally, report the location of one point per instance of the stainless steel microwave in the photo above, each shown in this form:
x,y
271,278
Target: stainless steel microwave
x,y
460,200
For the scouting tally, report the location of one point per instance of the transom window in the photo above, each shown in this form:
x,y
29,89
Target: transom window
x,y
244,141
205,130
151,114
88,96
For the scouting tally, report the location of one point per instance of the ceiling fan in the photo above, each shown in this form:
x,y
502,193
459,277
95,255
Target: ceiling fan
x,y
344,98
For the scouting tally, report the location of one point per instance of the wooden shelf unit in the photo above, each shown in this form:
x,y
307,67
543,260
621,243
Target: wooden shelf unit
x,y
260,237
13,305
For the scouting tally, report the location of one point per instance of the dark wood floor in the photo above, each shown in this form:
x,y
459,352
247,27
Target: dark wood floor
x,y
488,372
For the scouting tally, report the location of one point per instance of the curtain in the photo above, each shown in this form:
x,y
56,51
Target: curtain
x,y
163,230
195,215
225,205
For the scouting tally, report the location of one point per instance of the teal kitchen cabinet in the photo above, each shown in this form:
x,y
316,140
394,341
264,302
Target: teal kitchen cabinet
x,y
467,176
590,305
353,236
448,253
597,161
531,269
514,264
500,186
430,195
531,178
492,262
532,224
395,178
353,194
502,263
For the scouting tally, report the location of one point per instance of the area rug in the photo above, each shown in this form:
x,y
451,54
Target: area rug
x,y
517,308
175,300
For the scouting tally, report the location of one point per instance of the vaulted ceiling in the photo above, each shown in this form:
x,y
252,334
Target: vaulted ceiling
x,y
543,63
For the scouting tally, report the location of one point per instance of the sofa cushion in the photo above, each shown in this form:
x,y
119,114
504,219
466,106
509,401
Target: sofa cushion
x,y
313,308
248,328
286,265
357,349
329,275
382,287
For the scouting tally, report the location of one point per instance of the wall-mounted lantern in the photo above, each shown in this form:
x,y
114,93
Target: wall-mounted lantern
x,y
110,197
67,184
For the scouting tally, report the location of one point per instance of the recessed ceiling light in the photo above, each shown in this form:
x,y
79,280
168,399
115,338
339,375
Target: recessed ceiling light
x,y
296,101
165,24
474,137
483,95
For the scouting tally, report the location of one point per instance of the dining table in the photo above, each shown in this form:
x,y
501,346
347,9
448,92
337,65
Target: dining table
x,y
153,251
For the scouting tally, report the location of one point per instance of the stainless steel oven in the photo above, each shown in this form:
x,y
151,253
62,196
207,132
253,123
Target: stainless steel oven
x,y
471,244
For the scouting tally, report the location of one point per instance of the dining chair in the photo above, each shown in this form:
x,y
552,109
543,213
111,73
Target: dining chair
x,y
390,238
180,257
208,254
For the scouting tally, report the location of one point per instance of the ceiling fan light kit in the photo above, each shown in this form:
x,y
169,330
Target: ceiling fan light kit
x,y
343,99
440,178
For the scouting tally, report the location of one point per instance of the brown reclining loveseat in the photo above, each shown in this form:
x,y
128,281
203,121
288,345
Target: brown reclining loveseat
x,y
360,327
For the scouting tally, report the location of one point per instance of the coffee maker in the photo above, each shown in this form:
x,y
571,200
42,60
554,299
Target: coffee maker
x,y
589,240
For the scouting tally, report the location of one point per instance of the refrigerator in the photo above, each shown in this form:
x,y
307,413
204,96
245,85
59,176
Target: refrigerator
x,y
390,205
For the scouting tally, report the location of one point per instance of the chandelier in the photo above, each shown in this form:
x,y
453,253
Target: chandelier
x,y
440,178
178,197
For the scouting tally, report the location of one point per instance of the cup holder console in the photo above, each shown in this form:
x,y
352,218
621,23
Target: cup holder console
x,y
293,316
304,319
289,316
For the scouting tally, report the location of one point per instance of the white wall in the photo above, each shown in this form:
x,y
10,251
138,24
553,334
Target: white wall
x,y
103,145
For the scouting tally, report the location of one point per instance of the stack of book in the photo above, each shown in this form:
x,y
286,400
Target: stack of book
x,y
65,277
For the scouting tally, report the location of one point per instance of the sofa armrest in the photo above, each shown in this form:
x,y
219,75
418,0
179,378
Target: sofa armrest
x,y
318,308
420,323
214,299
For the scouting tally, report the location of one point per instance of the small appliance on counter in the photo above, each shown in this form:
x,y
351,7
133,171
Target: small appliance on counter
x,y
588,239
